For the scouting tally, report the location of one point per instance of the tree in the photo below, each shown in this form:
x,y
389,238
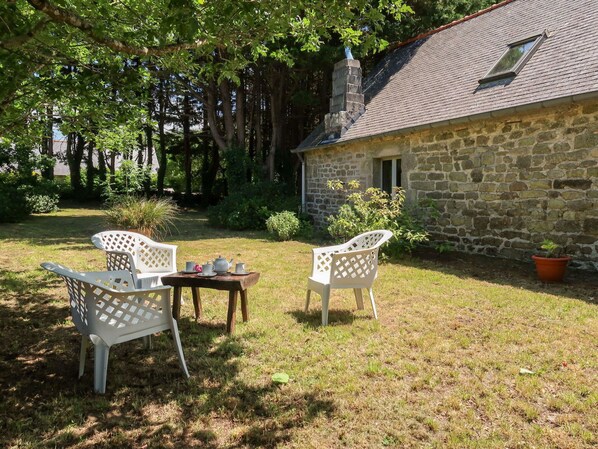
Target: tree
x,y
113,49
430,14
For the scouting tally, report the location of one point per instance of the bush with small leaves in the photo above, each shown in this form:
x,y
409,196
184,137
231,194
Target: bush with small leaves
x,y
250,207
283,225
13,207
42,203
374,209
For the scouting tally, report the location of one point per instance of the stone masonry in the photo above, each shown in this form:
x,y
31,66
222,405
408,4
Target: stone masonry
x,y
347,100
502,185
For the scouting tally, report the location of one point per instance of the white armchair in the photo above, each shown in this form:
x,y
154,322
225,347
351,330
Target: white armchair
x,y
107,309
351,265
147,260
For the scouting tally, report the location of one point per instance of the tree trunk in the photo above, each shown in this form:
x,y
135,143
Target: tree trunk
x,y
147,183
112,167
90,168
211,100
240,114
209,169
74,156
227,112
140,150
48,142
277,90
186,119
163,160
102,166
259,135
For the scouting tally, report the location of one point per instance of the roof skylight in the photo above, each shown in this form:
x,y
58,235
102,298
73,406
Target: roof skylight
x,y
514,58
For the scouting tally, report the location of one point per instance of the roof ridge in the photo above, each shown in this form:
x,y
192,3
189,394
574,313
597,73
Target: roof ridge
x,y
400,44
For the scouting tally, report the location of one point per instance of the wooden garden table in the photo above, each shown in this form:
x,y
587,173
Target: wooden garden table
x,y
232,283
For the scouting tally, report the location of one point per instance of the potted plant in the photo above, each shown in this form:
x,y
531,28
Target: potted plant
x,y
551,267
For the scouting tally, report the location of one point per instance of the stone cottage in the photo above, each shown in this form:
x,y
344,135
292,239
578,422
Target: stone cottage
x,y
494,116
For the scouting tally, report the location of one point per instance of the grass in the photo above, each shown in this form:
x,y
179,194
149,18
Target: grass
x,y
439,369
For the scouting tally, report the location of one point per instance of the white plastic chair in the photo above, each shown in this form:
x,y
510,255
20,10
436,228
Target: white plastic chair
x,y
351,265
147,260
107,309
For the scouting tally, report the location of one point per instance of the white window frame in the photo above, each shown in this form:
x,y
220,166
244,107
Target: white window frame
x,y
393,173
537,39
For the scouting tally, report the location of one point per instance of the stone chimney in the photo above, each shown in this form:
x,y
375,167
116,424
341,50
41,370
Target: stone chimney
x,y
347,102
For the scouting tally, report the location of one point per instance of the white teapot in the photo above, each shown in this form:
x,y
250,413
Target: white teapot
x,y
221,265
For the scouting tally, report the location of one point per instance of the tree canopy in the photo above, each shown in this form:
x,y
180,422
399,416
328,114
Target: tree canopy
x,y
117,76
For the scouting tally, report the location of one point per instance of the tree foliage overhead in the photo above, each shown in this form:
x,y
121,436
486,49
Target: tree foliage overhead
x,y
202,39
430,14
185,82
168,27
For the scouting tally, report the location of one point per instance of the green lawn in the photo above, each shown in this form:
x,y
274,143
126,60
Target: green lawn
x,y
439,369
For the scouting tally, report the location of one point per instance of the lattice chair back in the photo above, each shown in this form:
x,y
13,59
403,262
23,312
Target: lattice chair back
x,y
105,304
147,256
369,240
107,309
356,264
117,241
120,260
153,257
351,265
353,269
322,257
85,289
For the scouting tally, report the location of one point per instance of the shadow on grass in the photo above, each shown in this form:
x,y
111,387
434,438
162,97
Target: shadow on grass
x,y
313,318
148,401
45,230
578,284
77,228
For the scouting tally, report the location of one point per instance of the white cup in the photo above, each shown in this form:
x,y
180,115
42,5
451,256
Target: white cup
x,y
240,267
206,268
189,266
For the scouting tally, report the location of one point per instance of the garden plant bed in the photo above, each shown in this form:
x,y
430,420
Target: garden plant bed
x,y
441,367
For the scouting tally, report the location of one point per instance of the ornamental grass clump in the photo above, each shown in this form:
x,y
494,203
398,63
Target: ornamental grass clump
x,y
374,209
153,217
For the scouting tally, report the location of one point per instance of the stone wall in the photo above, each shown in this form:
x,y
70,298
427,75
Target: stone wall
x,y
502,185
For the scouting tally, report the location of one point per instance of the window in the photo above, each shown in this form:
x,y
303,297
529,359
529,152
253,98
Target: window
x,y
514,58
390,175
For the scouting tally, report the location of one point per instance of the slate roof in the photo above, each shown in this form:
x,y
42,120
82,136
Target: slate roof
x,y
435,78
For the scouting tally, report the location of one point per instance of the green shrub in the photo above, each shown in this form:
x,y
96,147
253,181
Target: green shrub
x,y
13,206
306,228
129,179
251,207
153,217
376,209
283,225
42,203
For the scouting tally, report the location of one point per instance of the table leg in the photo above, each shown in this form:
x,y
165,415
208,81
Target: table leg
x,y
244,309
176,303
358,298
196,302
232,312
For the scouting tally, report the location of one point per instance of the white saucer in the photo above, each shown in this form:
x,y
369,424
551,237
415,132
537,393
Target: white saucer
x,y
189,272
234,273
207,275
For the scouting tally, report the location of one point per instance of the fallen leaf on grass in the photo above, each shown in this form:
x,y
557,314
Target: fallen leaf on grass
x,y
526,371
280,378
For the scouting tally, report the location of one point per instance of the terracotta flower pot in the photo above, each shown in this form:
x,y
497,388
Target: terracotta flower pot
x,y
551,269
